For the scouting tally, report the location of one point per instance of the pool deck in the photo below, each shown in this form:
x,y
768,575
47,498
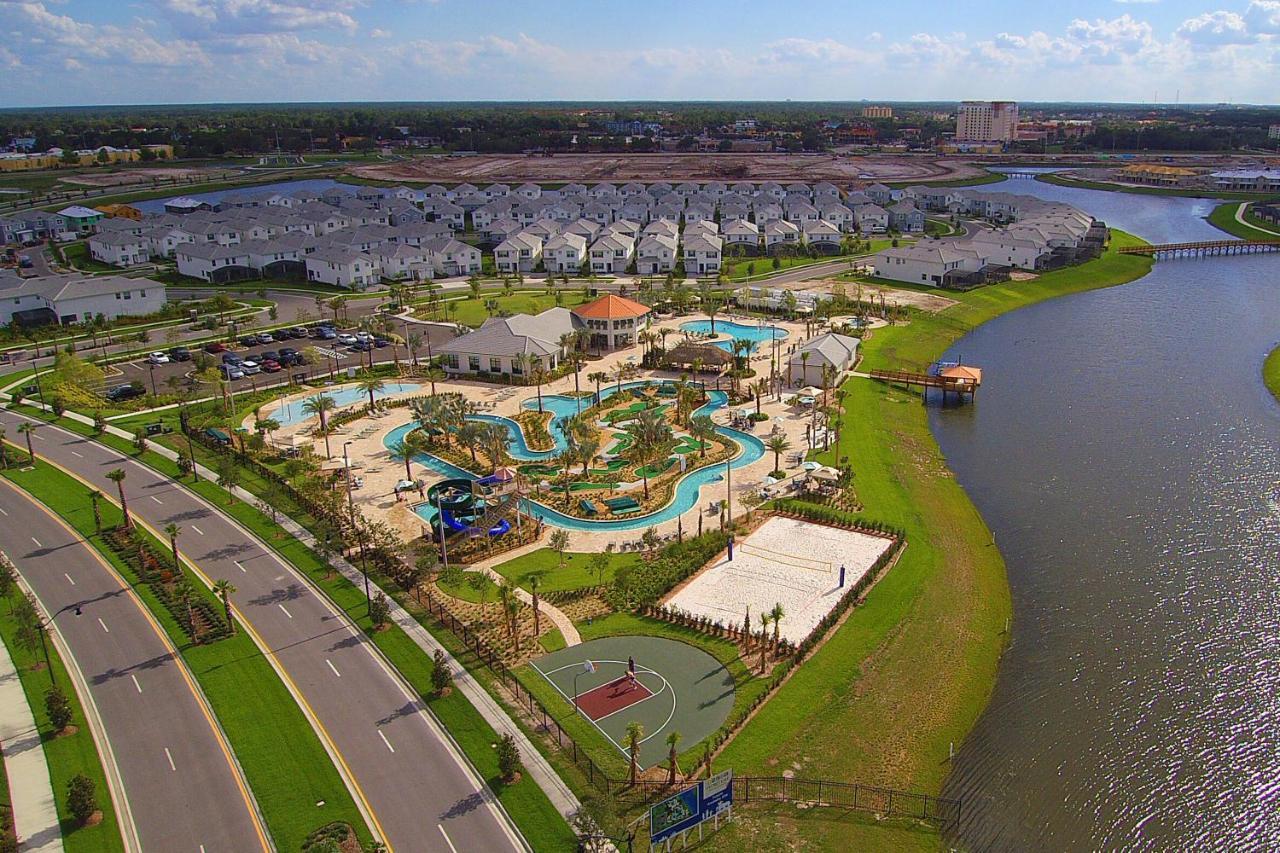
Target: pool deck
x,y
372,462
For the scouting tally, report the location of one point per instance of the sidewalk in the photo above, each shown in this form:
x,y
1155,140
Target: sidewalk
x,y
35,812
557,617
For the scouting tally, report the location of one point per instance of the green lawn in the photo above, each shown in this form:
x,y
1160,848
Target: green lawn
x,y
471,311
1271,373
67,755
77,255
283,759
1223,218
912,668
1063,181
462,589
576,572
739,269
527,804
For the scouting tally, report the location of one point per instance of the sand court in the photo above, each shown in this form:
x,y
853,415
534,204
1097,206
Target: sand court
x,y
784,561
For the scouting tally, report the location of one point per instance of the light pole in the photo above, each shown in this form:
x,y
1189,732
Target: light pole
x,y
346,466
151,369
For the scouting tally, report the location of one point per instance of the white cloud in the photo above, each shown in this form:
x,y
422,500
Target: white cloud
x,y
1263,17
1214,29
259,16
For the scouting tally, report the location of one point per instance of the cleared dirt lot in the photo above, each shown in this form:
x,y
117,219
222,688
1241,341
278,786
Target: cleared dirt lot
x,y
587,168
126,177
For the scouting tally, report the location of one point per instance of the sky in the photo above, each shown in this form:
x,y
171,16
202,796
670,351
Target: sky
x,y
70,52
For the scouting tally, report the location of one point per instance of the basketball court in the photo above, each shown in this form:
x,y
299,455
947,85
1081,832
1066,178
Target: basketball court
x,y
784,561
677,687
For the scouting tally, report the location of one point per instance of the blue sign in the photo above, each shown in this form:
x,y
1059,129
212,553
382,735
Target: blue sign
x,y
690,807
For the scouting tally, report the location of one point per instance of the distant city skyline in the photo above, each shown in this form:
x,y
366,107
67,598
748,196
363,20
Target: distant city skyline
x,y
86,52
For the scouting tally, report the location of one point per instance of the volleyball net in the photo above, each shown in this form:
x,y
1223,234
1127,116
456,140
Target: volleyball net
x,y
789,560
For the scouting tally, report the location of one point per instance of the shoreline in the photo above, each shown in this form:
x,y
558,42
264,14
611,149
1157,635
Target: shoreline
x,y
915,666
1271,373
1058,180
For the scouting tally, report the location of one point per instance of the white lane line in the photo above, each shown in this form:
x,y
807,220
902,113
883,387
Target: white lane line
x,y
135,682
285,612
37,541
2,512
104,625
384,740
240,566
197,530
38,437
332,667
68,577
77,454
169,755
156,499
447,840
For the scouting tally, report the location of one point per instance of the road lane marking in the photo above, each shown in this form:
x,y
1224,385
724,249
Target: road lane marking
x,y
240,566
169,755
135,682
37,541
77,453
447,840
384,740
156,499
286,612
197,530
104,625
332,667
37,436
2,512
68,577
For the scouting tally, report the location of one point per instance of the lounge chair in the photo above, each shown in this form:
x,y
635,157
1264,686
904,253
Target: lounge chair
x,y
588,506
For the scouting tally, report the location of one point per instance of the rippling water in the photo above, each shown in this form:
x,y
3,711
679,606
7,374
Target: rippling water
x,y
1127,456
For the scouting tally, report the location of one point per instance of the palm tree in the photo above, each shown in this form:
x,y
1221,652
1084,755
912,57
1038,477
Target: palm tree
x,y
520,363
839,413
413,342
778,444
172,530
576,360
28,429
94,496
4,455
470,434
765,619
117,475
776,615
703,430
434,375
673,740
539,376
650,441
321,404
804,366
494,441
371,385
534,582
504,597
635,732
598,377
224,589
404,450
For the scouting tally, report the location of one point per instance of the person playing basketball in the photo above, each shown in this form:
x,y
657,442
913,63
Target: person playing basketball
x,y
631,670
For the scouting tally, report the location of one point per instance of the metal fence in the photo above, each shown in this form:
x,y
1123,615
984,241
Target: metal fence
x,y
849,795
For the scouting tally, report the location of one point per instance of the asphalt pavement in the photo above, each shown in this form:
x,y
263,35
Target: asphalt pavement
x,y
405,771
182,786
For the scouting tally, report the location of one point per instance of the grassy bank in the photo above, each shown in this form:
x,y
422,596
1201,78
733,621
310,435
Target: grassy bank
x,y
69,754
985,178
283,759
911,669
1271,373
1223,218
1081,184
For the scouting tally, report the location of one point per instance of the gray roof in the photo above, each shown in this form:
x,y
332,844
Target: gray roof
x,y
829,348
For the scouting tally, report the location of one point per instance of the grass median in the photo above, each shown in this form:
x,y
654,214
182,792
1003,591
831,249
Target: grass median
x,y
283,760
1223,218
911,668
1271,373
69,754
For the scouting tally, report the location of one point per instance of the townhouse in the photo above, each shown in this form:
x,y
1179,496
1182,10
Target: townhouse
x,y
520,252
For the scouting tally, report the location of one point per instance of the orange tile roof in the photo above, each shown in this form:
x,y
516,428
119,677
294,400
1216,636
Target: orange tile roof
x,y
611,307
963,372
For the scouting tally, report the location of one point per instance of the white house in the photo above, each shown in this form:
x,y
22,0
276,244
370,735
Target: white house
x,y
740,232
871,218
450,257
823,236
564,253
518,253
341,267
779,234
656,254
702,254
612,253
213,263
66,299
401,261
1010,250
829,351
118,248
933,262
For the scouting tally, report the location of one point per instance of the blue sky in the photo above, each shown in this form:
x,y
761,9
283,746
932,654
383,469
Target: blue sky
x,y
60,52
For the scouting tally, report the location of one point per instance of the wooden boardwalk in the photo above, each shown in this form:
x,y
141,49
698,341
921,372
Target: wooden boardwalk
x,y
1204,249
961,381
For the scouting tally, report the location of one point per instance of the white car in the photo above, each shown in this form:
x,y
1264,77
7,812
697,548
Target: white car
x,y
347,339
250,367
158,358
364,336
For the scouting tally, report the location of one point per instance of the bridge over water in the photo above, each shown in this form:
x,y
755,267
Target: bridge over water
x,y
1203,249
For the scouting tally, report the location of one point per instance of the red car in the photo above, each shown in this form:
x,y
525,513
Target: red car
x,y
271,367
214,347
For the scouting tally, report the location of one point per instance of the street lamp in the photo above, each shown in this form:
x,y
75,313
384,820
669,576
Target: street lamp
x,y
151,368
346,464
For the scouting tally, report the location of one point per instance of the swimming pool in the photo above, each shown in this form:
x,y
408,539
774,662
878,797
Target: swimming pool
x,y
684,498
291,412
736,331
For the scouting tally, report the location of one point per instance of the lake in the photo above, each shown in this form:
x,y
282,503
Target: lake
x,y
1127,457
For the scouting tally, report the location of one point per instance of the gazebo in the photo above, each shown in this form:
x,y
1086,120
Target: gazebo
x,y
712,359
612,320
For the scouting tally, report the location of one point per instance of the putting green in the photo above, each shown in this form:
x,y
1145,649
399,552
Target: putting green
x,y
685,689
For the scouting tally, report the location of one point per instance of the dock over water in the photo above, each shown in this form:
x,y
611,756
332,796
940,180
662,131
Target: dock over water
x,y
1202,249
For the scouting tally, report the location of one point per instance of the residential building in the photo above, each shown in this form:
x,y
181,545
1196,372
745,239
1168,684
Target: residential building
x,y
702,254
518,253
66,299
741,234
612,253
779,235
213,262
821,354
1157,175
78,220
1247,180
871,218
933,262
987,121
119,249
565,253
656,254
822,236
877,112
906,218
341,267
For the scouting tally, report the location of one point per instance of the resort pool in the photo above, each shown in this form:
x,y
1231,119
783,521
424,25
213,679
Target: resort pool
x,y
736,331
291,412
686,491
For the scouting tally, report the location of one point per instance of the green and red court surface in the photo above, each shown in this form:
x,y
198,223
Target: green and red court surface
x,y
678,688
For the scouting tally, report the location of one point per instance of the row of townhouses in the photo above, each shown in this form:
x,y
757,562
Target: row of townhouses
x,y
1025,233
65,299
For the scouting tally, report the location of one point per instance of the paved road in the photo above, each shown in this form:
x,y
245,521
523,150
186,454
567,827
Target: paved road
x,y
182,788
419,791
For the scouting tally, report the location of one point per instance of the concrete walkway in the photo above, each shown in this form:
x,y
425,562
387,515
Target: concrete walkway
x,y
35,812
557,617
1240,218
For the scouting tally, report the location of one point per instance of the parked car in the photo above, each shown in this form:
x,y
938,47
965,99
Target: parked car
x,y
231,358
250,367
124,392
327,333
298,332
361,346
271,366
380,342
180,354
157,358
269,355
213,348
347,339
364,336
265,338
231,371
249,341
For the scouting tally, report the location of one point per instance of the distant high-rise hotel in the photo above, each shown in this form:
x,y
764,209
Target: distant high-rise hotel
x,y
1274,132
987,121
877,112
